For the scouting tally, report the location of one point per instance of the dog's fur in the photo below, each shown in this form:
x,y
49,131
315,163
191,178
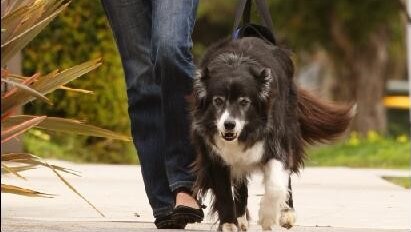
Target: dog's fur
x,y
249,115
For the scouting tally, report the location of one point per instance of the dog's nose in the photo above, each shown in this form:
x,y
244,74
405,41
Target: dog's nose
x,y
229,125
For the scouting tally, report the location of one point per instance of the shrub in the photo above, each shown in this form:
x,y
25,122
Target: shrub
x,y
21,22
85,34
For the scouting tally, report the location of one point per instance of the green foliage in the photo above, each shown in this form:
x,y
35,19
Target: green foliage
x,y
398,122
72,148
308,24
404,182
82,33
371,152
21,22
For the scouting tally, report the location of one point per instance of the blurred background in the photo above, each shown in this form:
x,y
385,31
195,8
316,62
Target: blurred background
x,y
343,50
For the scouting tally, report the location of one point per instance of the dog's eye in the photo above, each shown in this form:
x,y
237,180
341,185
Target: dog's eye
x,y
244,102
218,101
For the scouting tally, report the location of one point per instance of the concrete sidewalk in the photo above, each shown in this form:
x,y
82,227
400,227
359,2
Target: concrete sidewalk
x,y
326,199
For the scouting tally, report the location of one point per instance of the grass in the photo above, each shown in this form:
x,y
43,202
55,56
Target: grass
x,y
405,182
373,151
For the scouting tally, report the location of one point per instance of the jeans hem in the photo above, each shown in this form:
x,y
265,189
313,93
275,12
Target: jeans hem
x,y
180,184
161,212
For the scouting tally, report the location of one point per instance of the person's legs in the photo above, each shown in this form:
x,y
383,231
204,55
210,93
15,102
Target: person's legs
x,y
173,23
131,23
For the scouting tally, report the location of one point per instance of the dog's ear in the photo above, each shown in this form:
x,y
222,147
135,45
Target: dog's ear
x,y
266,78
199,88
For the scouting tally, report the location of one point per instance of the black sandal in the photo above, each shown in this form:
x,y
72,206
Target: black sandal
x,y
169,222
187,215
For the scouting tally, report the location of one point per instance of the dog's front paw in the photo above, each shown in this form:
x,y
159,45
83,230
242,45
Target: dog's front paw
x,y
288,218
266,223
243,223
229,227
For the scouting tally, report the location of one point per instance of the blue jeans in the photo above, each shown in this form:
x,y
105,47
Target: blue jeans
x,y
154,41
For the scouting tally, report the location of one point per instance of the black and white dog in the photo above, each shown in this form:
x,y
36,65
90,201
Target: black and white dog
x,y
249,115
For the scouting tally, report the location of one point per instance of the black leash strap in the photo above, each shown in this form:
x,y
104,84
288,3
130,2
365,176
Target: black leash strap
x,y
264,12
244,11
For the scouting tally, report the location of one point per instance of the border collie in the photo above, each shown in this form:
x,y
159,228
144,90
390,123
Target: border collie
x,y
249,115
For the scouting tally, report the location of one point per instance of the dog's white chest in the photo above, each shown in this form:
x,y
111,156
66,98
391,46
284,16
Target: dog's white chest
x,y
240,160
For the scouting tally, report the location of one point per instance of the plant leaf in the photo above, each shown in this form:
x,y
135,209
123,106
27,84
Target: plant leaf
x,y
48,83
73,189
27,89
14,156
5,188
19,168
67,125
10,47
17,129
76,90
11,170
10,21
32,160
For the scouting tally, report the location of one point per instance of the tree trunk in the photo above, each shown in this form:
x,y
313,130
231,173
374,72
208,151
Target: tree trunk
x,y
361,77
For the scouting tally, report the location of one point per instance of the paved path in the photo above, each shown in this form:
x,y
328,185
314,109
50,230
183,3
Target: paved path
x,y
326,199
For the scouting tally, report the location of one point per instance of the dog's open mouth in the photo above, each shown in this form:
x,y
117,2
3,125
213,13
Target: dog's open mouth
x,y
229,136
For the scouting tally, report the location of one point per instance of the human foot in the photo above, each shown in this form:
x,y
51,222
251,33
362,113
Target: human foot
x,y
187,209
185,199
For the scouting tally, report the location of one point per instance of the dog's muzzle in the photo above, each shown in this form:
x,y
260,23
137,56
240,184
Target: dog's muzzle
x,y
229,134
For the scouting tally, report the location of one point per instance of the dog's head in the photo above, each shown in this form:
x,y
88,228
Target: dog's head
x,y
232,92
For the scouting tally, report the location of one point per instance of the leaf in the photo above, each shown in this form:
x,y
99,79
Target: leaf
x,y
14,156
32,160
74,190
20,168
11,170
48,83
9,6
11,20
16,77
10,47
4,73
5,188
27,89
76,90
17,129
67,125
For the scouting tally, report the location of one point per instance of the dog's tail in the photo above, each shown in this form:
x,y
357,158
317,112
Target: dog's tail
x,y
322,121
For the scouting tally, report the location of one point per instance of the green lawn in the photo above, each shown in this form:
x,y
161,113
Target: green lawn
x,y
401,181
371,152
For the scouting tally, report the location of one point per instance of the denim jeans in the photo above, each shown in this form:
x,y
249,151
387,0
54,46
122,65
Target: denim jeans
x,y
154,41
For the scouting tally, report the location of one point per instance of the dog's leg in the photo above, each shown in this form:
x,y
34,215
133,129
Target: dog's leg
x,y
275,183
240,200
223,197
288,215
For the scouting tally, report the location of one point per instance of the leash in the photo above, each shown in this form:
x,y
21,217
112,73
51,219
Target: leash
x,y
243,11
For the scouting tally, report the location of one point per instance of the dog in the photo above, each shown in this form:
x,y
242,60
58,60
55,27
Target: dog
x,y
249,115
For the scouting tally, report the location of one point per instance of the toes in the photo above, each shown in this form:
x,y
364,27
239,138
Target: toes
x,y
243,223
266,224
229,227
287,218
